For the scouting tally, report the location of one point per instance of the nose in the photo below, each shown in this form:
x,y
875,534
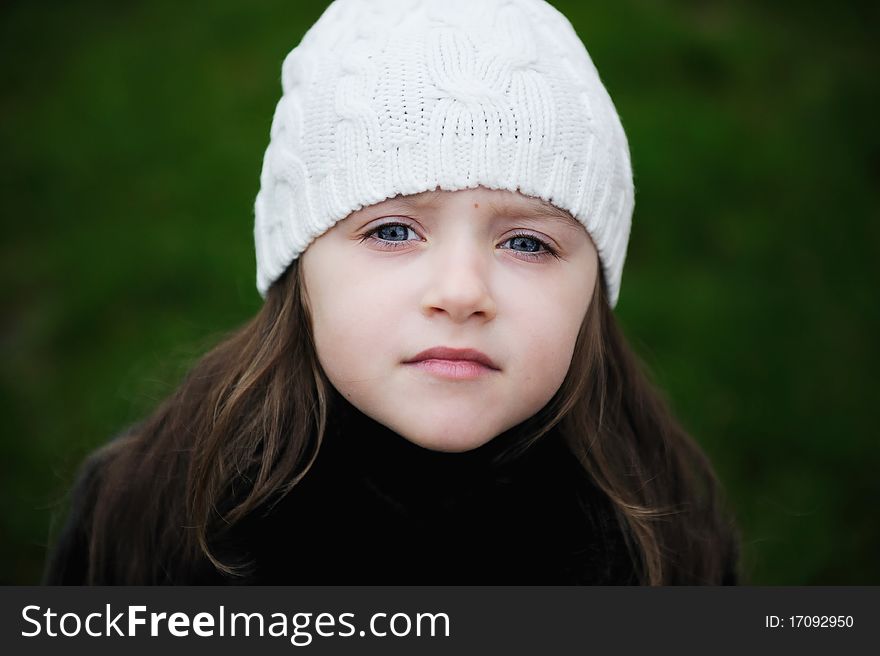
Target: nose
x,y
458,283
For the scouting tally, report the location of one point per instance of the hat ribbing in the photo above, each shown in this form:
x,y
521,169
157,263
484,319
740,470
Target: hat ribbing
x,y
388,97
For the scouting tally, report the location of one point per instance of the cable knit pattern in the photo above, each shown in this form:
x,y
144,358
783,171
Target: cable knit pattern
x,y
388,97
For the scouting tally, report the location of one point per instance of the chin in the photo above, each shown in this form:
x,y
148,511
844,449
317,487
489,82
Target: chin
x,y
447,443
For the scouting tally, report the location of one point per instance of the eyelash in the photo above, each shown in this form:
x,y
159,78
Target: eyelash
x,y
548,252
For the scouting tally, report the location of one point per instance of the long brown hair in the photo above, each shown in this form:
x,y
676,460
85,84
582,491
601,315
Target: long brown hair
x,y
244,425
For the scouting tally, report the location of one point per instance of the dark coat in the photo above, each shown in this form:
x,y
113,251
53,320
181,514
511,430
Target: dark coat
x,y
376,509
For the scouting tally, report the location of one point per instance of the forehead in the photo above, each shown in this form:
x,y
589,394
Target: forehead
x,y
496,202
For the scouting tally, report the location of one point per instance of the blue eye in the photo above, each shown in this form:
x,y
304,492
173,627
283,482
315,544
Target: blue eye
x,y
540,243
394,235
392,231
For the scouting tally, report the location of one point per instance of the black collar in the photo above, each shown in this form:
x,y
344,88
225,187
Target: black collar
x,y
378,509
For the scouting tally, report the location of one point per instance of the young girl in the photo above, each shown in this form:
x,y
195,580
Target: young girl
x,y
436,389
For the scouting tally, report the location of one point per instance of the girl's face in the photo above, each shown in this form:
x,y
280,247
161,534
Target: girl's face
x,y
459,269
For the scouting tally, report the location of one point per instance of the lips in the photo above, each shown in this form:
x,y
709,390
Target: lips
x,y
447,353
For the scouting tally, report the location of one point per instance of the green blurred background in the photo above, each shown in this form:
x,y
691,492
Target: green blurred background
x,y
133,136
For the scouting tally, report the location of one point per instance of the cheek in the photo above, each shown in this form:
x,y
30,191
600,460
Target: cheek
x,y
546,353
351,327
353,317
546,331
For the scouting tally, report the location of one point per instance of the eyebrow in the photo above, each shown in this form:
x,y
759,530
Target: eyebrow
x,y
529,208
534,208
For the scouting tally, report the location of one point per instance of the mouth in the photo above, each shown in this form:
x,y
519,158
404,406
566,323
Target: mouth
x,y
455,369
459,364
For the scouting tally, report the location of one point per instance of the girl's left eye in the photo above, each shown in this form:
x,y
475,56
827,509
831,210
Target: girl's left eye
x,y
387,236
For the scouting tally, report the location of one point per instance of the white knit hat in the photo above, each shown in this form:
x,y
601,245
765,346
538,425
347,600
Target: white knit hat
x,y
388,97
